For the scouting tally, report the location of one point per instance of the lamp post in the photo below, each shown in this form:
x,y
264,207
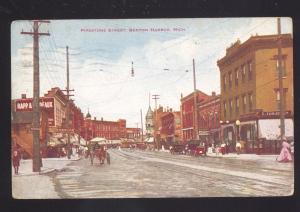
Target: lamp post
x,y
221,133
237,123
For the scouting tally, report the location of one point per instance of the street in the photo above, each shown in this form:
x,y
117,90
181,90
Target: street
x,y
136,173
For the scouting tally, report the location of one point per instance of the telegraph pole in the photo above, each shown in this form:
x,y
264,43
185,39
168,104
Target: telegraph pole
x,y
142,126
68,104
36,160
196,133
282,124
155,97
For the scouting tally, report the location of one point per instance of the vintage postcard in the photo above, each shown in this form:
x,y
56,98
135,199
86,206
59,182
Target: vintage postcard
x,y
152,108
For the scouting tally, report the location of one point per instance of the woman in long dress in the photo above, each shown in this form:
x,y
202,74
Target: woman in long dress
x,y
285,155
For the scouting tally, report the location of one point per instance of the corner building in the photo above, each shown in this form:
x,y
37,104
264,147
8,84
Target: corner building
x,y
250,93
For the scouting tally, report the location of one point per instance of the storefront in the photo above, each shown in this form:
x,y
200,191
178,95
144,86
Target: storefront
x,y
228,135
260,132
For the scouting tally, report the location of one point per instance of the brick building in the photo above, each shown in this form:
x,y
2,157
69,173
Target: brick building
x,y
133,133
171,127
110,130
157,114
249,89
209,119
187,114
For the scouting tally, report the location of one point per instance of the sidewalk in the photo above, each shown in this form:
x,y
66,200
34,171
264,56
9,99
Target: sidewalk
x,y
49,165
244,156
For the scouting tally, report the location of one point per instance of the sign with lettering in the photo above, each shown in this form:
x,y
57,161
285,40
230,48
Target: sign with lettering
x,y
46,103
26,104
274,114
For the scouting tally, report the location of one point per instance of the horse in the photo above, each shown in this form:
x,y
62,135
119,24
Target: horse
x,y
101,155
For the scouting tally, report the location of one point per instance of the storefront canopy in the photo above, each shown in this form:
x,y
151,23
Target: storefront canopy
x,y
98,140
269,128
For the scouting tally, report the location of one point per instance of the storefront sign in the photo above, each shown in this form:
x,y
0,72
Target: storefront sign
x,y
274,114
46,103
26,104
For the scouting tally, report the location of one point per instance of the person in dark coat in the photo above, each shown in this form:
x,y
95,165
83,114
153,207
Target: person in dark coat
x,y
16,157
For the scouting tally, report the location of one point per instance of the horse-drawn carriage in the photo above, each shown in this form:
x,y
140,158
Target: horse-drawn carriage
x,y
99,152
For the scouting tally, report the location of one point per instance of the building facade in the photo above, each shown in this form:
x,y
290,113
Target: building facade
x,y
133,133
171,127
249,85
188,112
110,130
209,119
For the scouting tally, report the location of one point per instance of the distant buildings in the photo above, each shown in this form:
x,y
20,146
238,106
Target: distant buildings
x,y
171,127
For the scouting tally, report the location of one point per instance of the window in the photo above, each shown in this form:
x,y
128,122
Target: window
x,y
250,70
224,106
244,103
237,105
243,72
283,66
236,77
230,79
278,98
250,97
230,107
224,82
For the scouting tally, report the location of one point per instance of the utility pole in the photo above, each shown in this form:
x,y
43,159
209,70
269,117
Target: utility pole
x,y
142,128
282,124
155,97
68,104
36,160
196,133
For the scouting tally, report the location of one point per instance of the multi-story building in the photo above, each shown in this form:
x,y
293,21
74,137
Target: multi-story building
x,y
171,127
53,107
250,92
110,130
157,114
188,112
209,119
133,133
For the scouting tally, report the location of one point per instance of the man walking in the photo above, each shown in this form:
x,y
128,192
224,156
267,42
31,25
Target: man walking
x,y
16,160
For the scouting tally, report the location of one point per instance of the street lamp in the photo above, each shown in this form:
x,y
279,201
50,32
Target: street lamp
x,y
237,122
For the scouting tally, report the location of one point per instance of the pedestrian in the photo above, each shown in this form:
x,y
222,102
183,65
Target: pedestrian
x,y
223,148
285,155
238,147
16,157
108,158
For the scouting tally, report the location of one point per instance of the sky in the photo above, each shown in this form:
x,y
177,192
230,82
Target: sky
x,y
101,53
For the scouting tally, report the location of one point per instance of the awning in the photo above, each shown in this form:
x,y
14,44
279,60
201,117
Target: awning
x,y
149,140
269,128
247,122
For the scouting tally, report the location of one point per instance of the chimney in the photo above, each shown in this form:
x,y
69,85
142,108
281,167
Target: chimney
x,y
101,118
95,118
23,96
213,93
181,95
170,109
